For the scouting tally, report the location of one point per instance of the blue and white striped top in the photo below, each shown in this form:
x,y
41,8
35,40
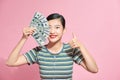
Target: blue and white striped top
x,y
55,66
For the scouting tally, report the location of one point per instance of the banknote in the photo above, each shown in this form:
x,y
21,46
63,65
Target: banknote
x,y
40,23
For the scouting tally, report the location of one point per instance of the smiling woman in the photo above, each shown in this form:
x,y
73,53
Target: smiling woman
x,y
96,23
53,60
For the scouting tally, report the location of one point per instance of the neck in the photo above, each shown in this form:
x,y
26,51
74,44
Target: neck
x,y
54,47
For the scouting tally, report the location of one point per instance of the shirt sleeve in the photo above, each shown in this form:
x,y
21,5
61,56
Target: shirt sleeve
x,y
75,53
77,56
31,56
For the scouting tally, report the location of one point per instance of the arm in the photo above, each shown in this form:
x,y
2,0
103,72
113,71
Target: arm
x,y
15,59
88,63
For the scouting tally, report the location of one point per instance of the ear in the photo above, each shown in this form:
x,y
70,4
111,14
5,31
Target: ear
x,y
64,30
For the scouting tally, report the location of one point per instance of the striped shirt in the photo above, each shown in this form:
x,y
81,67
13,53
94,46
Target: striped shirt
x,y
55,66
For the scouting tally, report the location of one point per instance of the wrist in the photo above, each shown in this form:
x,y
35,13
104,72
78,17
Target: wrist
x,y
24,38
80,45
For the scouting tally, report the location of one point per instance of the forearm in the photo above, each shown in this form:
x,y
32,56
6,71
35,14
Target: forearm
x,y
88,59
14,55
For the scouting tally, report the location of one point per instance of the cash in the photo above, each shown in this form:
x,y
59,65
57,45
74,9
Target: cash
x,y
40,23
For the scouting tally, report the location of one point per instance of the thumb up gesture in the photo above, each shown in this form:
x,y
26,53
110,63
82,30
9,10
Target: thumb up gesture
x,y
74,43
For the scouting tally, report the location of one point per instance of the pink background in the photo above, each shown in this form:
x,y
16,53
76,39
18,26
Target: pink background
x,y
95,22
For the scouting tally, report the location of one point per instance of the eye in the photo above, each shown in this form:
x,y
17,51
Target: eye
x,y
57,27
49,27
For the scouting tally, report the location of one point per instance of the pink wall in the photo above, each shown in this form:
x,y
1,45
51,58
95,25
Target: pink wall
x,y
95,22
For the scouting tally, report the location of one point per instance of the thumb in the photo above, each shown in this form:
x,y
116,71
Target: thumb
x,y
74,36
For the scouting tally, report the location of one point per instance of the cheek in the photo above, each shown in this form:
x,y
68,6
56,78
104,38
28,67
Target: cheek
x,y
61,34
60,31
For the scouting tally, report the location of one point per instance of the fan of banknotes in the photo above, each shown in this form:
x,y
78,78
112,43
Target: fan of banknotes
x,y
40,23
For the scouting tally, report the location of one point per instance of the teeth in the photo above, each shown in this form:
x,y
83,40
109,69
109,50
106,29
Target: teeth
x,y
52,36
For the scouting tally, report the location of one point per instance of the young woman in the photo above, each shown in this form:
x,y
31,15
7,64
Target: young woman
x,y
55,59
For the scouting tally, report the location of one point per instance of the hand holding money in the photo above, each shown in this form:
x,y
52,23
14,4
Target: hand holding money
x,y
27,31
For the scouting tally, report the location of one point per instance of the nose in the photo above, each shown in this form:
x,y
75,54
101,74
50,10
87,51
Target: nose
x,y
52,30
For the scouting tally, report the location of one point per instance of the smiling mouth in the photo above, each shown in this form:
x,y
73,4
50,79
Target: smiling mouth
x,y
53,36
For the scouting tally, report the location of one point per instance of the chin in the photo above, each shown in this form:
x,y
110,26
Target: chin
x,y
54,41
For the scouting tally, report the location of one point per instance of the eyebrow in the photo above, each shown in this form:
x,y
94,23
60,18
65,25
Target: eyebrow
x,y
55,25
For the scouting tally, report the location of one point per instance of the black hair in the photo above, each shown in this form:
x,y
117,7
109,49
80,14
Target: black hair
x,y
57,16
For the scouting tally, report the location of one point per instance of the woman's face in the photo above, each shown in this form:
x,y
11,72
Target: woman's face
x,y
56,30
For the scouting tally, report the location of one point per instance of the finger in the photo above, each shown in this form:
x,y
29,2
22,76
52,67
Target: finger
x,y
74,36
32,28
72,44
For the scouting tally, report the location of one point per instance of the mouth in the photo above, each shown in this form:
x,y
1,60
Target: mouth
x,y
53,36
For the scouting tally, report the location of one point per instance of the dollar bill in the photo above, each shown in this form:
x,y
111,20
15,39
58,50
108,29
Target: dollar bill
x,y
40,23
